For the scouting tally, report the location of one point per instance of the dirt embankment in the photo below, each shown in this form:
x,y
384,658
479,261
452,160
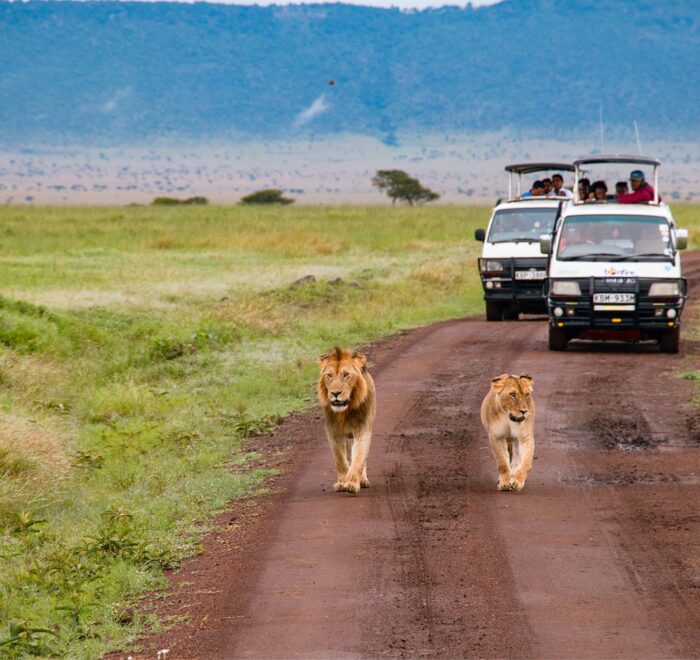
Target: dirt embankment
x,y
597,557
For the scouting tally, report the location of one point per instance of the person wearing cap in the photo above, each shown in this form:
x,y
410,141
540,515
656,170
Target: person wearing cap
x,y
642,191
558,189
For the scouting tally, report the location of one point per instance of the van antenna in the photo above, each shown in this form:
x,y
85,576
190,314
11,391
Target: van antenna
x,y
602,129
636,132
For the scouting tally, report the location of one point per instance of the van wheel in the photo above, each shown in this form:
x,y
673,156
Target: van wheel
x,y
494,311
670,341
557,339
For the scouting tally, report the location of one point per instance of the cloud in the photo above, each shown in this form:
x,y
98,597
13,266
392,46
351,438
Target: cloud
x,y
318,107
111,104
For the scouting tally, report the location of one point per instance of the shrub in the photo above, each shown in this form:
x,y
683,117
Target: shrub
x,y
269,196
173,201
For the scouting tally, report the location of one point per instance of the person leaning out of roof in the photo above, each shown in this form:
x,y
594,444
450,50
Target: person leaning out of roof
x,y
547,183
558,189
537,190
643,192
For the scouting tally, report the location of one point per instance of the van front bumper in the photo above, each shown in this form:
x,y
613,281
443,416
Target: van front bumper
x,y
513,285
650,315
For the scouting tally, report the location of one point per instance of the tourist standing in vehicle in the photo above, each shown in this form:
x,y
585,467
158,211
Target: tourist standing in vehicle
x,y
584,189
600,191
621,188
547,183
558,189
537,190
643,192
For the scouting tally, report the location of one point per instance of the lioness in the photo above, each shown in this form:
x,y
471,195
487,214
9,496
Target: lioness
x,y
346,392
508,415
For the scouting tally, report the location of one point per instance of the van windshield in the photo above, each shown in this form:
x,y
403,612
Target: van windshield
x,y
513,225
615,238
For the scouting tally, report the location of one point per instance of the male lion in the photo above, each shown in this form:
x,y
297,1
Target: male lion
x,y
346,392
508,415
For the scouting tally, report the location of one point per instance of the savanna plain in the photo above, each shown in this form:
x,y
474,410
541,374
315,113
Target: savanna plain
x,y
141,346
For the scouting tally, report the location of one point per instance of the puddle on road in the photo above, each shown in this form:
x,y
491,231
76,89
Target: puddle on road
x,y
623,434
627,479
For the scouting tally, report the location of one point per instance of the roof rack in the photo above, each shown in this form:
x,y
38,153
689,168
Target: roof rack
x,y
531,168
629,160
635,160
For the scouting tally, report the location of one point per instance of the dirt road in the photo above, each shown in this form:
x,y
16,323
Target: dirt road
x,y
598,557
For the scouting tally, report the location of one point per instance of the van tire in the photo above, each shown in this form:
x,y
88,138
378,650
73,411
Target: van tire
x,y
557,339
670,341
494,311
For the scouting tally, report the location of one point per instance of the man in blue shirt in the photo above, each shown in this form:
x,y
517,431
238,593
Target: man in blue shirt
x,y
537,190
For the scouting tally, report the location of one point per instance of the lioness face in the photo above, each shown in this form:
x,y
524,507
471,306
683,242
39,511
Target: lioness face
x,y
341,383
514,395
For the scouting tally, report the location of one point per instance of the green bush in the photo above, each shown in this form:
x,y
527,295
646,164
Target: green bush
x,y
173,201
268,196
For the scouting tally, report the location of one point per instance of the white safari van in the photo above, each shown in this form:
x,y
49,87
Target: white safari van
x,y
511,267
615,269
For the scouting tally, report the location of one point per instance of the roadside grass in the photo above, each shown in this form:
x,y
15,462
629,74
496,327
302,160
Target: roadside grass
x,y
687,215
140,347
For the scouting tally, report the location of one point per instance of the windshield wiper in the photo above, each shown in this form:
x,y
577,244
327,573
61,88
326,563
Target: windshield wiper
x,y
522,239
592,255
647,256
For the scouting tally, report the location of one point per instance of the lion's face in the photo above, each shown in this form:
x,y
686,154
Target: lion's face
x,y
341,385
514,395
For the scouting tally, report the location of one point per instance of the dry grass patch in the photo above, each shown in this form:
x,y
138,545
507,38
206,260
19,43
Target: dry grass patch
x,y
34,460
443,273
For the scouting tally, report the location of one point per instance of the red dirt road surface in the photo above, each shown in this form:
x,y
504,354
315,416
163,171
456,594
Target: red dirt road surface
x,y
597,558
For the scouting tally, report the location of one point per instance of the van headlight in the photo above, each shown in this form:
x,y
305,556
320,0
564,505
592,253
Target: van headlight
x,y
490,266
664,290
564,288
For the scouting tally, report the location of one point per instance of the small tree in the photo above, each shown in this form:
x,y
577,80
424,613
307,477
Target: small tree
x,y
399,185
268,196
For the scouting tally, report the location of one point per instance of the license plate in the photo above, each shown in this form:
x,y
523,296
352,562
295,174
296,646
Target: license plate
x,y
614,298
530,274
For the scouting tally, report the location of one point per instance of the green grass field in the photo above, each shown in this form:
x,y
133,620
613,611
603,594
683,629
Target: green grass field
x,y
139,347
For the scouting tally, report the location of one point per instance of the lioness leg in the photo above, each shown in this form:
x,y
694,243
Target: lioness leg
x,y
358,467
339,449
515,455
499,447
527,451
364,481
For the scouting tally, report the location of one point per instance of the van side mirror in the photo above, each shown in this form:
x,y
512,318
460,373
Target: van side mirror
x,y
480,235
546,244
681,239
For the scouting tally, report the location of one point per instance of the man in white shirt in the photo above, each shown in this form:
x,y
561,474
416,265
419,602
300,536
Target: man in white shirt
x,y
558,189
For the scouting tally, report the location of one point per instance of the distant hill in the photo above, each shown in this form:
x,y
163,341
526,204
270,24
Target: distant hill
x,y
123,72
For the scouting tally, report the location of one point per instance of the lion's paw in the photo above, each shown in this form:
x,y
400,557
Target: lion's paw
x,y
517,485
352,487
339,486
364,483
504,486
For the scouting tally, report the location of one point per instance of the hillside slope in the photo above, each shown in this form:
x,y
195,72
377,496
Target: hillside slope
x,y
127,71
